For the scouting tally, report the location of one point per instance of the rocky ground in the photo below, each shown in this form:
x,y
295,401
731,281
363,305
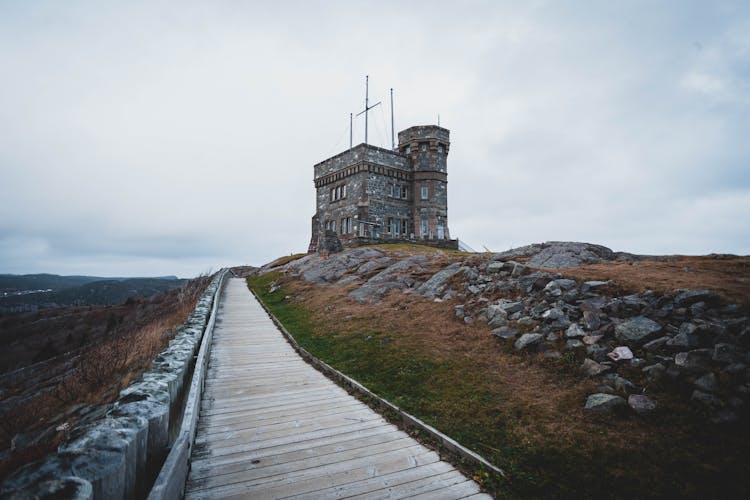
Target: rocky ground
x,y
634,341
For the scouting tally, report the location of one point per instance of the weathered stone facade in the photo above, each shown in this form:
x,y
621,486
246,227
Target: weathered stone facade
x,y
369,194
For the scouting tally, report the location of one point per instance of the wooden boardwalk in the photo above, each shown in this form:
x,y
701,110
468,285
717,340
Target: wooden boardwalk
x,y
271,426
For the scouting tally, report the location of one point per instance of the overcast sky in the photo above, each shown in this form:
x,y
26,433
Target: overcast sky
x,y
154,137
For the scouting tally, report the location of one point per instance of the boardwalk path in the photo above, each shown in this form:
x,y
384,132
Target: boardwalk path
x,y
271,426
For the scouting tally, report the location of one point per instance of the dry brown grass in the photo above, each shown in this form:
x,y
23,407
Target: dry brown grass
x,y
729,276
420,325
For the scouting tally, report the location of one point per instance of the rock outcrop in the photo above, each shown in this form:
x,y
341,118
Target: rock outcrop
x,y
687,339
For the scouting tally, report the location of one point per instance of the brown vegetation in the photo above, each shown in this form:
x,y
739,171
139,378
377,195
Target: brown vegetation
x,y
729,276
38,410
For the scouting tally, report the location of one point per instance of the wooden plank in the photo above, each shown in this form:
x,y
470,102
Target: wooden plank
x,y
293,451
301,481
385,483
244,470
215,450
247,420
460,490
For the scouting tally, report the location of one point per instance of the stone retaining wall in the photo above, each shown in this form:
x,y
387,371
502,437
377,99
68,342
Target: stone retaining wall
x,y
119,455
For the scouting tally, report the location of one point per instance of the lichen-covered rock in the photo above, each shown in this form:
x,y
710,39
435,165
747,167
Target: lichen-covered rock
x,y
725,353
505,332
641,404
439,281
591,368
654,372
603,403
574,332
637,330
528,340
707,383
688,297
656,344
697,360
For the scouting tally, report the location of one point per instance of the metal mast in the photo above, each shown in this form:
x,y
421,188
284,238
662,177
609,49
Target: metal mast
x,y
351,120
367,103
393,136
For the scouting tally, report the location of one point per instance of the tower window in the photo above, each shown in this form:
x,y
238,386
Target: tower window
x,y
423,147
425,192
403,192
440,148
424,228
390,189
408,149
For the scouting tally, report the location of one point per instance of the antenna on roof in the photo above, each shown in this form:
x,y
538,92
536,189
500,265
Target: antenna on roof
x,y
367,103
393,135
350,129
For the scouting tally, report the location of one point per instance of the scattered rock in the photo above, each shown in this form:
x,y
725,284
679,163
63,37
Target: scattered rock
x,y
693,361
707,383
623,385
656,344
591,368
641,404
495,267
604,403
589,286
574,331
655,371
637,330
511,307
591,339
505,332
518,270
682,341
528,340
494,311
460,313
555,318
621,353
597,352
689,297
725,353
591,320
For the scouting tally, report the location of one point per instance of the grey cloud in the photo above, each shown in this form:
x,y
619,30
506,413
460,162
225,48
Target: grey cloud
x,y
164,137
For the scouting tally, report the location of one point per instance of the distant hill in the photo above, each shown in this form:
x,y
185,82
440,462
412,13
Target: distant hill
x,y
21,293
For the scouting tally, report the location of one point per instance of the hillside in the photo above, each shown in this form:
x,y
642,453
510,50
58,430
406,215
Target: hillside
x,y
31,292
572,367
59,365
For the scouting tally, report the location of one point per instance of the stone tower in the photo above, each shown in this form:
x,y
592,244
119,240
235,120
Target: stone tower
x,y
427,146
369,194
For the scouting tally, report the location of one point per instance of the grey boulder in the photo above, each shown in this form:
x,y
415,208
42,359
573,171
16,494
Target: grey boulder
x,y
637,330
